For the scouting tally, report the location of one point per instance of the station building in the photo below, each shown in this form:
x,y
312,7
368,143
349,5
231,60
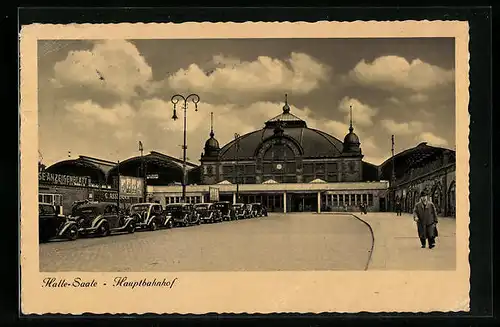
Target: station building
x,y
285,165
288,167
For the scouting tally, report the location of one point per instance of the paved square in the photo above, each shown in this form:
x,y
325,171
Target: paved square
x,y
304,241
293,242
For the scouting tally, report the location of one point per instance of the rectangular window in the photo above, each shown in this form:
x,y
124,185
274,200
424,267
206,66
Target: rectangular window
x,y
268,168
332,178
331,167
308,168
228,169
240,169
353,199
290,179
250,180
324,200
370,199
319,169
290,167
335,201
249,169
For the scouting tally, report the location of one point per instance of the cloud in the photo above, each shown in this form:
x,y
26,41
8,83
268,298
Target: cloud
x,y
394,100
233,79
418,98
332,127
93,112
112,66
393,72
431,139
362,113
396,128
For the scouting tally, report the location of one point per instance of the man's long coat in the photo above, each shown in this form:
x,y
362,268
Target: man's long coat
x,y
427,218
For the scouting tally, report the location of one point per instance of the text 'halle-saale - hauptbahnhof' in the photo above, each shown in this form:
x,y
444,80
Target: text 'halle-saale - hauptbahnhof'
x,y
286,166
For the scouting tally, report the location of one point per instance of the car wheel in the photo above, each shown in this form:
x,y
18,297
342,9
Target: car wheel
x,y
103,230
170,224
152,225
72,233
131,227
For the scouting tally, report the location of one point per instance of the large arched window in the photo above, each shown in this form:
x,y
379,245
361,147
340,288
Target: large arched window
x,y
278,163
437,197
452,205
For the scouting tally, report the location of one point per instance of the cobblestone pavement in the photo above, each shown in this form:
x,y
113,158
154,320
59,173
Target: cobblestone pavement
x,y
302,241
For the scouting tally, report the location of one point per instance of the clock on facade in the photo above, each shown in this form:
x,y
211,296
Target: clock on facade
x,y
279,166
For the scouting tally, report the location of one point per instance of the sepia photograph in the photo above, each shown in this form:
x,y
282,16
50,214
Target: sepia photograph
x,y
163,156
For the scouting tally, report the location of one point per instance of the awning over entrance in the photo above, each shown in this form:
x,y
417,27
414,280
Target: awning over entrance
x,y
273,188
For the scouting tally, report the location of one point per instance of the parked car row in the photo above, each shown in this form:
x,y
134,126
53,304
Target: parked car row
x,y
104,218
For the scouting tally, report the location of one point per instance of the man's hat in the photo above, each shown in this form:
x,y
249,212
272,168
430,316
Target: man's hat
x,y
423,193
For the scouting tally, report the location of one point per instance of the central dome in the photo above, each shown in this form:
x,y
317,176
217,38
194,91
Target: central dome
x,y
314,143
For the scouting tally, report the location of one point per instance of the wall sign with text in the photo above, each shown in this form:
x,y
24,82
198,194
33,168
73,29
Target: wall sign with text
x,y
58,179
131,186
105,196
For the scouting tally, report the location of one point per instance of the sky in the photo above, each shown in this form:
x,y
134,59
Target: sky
x,y
100,98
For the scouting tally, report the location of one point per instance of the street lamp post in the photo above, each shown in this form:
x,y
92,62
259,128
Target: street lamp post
x,y
175,99
143,172
393,176
237,144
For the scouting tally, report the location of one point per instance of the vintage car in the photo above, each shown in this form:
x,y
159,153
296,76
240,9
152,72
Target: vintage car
x,y
258,210
242,211
208,212
101,219
226,210
150,216
52,225
182,214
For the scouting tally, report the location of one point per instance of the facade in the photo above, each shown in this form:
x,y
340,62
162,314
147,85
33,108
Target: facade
x,y
75,180
287,166
88,178
421,168
286,197
285,150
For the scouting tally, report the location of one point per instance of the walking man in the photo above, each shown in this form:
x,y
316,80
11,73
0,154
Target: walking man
x,y
398,208
425,216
